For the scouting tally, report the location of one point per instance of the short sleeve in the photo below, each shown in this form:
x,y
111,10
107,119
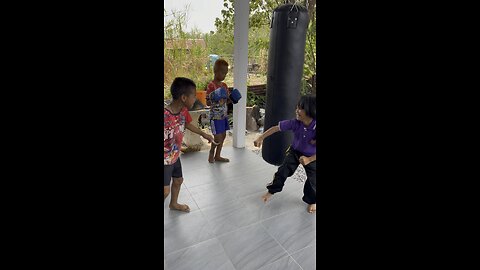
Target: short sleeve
x,y
210,88
226,88
188,117
287,125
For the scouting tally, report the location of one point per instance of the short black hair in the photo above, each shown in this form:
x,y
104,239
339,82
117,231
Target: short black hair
x,y
181,86
218,63
308,103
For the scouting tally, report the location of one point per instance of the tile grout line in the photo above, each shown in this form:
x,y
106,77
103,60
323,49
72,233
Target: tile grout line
x,y
255,223
250,225
223,248
245,227
202,242
208,224
238,199
288,253
300,250
191,196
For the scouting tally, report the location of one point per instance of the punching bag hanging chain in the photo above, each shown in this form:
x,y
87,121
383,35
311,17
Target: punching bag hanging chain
x,y
293,19
289,1
294,5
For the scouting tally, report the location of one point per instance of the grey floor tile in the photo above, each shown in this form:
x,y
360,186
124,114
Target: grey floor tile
x,y
212,194
286,263
184,197
306,258
225,202
228,217
195,160
257,173
247,188
279,203
292,186
251,248
201,176
294,230
185,230
208,255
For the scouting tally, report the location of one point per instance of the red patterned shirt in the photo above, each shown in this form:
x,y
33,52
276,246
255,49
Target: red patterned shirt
x,y
217,111
173,131
212,86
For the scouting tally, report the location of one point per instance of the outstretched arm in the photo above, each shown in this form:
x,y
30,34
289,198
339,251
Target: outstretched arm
x,y
270,131
200,132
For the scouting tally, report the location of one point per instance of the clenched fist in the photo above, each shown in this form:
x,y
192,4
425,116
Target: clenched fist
x,y
258,142
304,160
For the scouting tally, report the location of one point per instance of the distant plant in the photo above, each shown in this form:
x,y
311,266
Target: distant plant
x,y
259,29
254,99
180,59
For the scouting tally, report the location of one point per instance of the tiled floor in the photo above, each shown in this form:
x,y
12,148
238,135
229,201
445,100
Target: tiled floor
x,y
229,227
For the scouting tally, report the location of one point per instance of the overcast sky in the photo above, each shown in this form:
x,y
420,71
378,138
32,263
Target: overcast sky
x,y
201,14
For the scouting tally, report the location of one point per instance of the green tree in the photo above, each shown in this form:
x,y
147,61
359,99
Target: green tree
x,y
180,61
259,25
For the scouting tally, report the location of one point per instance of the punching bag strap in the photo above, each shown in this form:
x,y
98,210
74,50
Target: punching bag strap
x,y
293,17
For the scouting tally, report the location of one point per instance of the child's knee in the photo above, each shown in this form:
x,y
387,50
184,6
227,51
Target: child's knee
x,y
166,192
178,181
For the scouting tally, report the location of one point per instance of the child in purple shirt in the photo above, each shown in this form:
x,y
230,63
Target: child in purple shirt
x,y
302,151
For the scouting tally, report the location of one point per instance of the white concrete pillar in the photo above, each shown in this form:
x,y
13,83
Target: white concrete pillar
x,y
240,61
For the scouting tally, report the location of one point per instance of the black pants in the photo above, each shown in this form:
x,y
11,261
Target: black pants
x,y
169,171
289,166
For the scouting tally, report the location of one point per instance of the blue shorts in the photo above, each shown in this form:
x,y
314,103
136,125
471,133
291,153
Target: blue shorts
x,y
219,126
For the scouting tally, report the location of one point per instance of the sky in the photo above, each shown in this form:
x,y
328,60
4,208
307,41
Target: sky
x,y
201,14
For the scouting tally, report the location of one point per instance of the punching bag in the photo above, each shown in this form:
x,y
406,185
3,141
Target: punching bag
x,y
286,55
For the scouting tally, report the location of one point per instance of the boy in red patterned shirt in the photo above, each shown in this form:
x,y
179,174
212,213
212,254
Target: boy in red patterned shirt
x,y
175,119
218,110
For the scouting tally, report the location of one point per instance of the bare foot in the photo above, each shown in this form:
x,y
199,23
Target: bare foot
x,y
179,207
266,197
312,208
210,158
222,159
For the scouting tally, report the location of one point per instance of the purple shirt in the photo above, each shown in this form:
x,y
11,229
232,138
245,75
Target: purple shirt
x,y
302,135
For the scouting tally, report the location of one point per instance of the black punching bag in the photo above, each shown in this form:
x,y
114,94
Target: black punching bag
x,y
288,33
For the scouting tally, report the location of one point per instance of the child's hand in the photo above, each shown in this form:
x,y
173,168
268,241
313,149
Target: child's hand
x,y
304,160
258,142
210,139
313,142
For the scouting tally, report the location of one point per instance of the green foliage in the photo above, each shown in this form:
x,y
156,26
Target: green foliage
x,y
166,94
259,34
191,64
220,43
202,84
181,60
254,99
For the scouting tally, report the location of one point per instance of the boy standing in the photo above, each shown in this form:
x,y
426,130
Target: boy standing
x,y
217,98
175,119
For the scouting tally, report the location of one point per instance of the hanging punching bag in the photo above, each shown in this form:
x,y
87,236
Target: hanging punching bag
x,y
286,55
